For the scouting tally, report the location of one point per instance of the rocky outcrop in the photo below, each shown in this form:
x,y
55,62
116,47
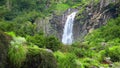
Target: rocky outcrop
x,y
23,56
4,45
42,24
90,17
58,21
52,25
94,16
35,58
39,58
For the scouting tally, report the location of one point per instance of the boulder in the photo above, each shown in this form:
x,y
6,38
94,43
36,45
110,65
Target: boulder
x,y
39,58
4,45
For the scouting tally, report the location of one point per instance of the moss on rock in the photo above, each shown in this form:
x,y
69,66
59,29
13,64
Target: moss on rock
x,y
39,58
34,58
4,44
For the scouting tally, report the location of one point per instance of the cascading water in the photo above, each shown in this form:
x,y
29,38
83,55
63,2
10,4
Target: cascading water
x,y
67,37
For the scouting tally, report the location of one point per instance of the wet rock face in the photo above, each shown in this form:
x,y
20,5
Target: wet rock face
x,y
58,21
94,16
57,25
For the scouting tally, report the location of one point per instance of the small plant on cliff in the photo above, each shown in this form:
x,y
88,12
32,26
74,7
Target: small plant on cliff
x,y
17,54
17,51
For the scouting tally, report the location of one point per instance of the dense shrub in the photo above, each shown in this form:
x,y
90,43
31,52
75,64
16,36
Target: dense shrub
x,y
89,63
17,55
80,45
42,41
25,29
65,60
20,55
10,15
82,52
53,43
17,50
37,39
113,53
6,26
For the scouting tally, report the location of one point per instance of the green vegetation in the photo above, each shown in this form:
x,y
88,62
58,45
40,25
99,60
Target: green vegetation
x,y
23,45
106,40
113,53
96,51
42,41
17,55
17,51
61,8
65,60
108,34
41,57
20,54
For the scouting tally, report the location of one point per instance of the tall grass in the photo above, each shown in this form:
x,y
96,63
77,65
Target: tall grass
x,y
17,54
17,50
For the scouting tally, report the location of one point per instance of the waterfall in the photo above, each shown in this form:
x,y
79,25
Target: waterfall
x,y
67,37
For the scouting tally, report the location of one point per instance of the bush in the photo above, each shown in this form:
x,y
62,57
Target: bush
x,y
17,55
6,26
49,42
82,52
111,32
10,15
89,63
22,56
25,29
113,53
53,43
65,60
37,39
80,45
17,51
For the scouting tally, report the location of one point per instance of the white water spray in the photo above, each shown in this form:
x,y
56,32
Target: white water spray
x,y
67,37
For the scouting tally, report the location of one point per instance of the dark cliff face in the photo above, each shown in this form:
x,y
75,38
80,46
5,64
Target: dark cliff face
x,y
58,22
91,16
94,16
